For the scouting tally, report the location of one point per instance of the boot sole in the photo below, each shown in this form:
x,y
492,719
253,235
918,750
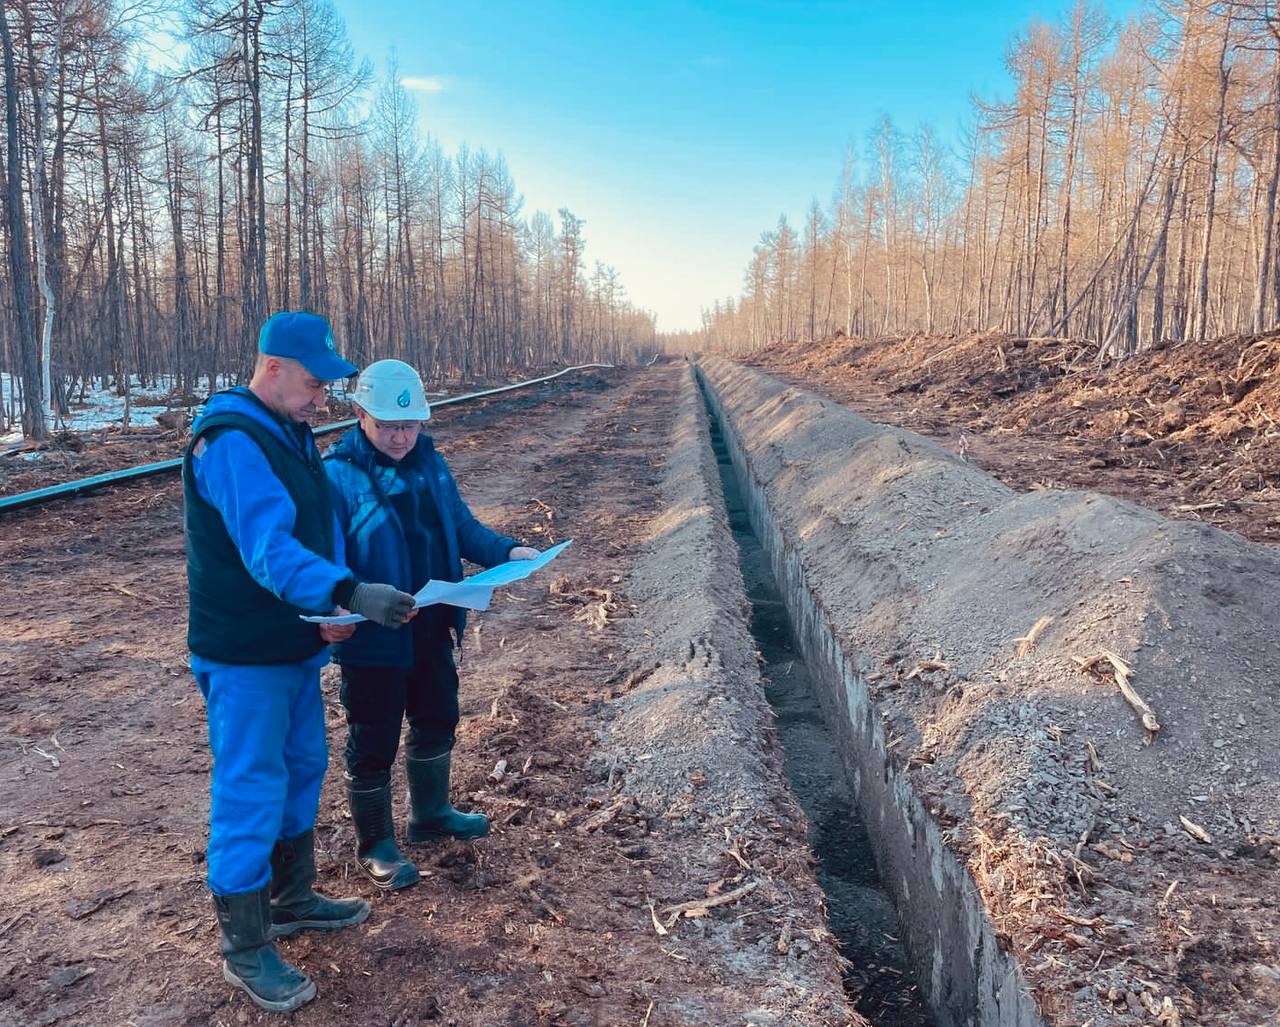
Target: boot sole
x,y
421,836
287,1005
288,930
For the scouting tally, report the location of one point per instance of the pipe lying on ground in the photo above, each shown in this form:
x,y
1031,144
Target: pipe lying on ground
x,y
128,474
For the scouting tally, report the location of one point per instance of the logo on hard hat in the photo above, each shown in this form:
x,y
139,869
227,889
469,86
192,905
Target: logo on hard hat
x,y
403,399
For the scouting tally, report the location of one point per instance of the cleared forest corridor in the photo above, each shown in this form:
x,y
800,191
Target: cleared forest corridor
x,y
666,844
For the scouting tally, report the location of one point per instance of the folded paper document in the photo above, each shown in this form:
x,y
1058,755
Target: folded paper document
x,y
473,593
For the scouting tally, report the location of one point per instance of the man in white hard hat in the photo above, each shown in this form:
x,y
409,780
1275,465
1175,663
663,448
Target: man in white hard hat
x,y
403,522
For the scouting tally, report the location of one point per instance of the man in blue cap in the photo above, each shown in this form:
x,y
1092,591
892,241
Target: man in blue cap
x,y
263,547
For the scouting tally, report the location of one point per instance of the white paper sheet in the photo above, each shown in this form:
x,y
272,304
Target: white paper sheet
x,y
473,593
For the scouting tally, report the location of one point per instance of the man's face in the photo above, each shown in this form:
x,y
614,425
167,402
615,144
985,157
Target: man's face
x,y
298,393
392,439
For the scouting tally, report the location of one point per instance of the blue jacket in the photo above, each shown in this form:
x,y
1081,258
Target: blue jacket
x,y
232,474
374,540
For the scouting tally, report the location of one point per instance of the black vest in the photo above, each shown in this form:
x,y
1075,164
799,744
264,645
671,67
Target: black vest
x,y
231,618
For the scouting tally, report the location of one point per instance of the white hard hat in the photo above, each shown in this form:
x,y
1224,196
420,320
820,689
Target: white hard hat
x,y
391,390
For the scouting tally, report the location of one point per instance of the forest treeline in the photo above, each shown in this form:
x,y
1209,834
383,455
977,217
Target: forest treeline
x,y
153,218
1125,193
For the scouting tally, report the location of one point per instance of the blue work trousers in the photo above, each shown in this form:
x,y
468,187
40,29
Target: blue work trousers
x,y
267,733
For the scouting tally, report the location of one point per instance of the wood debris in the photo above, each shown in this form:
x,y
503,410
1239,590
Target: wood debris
x,y
600,605
1111,852
1195,830
1027,642
699,907
734,850
598,819
1123,675
4,927
783,944
924,666
80,910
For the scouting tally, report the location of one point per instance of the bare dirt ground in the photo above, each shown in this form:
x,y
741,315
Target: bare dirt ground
x,y
1192,431
551,921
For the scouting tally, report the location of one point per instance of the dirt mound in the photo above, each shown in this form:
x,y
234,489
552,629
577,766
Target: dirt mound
x,y
1193,430
1010,644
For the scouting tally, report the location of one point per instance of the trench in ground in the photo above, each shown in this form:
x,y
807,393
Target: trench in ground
x,y
877,977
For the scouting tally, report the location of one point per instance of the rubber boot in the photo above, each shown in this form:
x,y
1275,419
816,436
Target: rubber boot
x,y
249,959
431,817
376,852
295,906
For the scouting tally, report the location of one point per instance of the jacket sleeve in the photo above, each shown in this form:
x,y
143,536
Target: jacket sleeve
x,y
233,475
477,543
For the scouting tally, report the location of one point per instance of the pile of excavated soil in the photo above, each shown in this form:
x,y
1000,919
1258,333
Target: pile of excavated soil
x,y
1124,863
1192,430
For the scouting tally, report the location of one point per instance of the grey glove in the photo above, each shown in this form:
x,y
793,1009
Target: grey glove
x,y
382,604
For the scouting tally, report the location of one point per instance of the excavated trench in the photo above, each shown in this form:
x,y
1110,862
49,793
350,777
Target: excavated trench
x,y
921,914
877,977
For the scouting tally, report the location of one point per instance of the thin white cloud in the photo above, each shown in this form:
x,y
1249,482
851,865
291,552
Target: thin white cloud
x,y
423,83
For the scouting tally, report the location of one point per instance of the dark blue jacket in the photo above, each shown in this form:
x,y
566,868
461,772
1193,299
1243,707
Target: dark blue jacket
x,y
374,539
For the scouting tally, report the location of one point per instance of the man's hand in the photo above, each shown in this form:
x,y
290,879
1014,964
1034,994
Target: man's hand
x,y
382,604
332,633
523,553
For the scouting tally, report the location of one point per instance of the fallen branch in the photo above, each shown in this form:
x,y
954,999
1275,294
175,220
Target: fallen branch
x,y
936,663
80,910
1123,673
1195,830
657,924
599,819
1028,641
5,927
699,907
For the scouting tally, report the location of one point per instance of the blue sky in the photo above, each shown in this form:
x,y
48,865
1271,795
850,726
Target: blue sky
x,y
680,131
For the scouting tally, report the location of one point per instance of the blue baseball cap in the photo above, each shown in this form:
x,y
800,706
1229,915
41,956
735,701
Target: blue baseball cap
x,y
306,338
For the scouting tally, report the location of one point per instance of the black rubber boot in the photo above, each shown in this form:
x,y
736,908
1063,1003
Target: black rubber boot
x,y
295,906
249,959
431,817
376,852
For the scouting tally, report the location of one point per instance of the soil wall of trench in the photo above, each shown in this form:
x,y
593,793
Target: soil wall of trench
x,y
1054,858
690,741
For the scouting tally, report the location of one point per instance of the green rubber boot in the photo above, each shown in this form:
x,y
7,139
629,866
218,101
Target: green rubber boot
x,y
250,960
431,817
376,851
295,906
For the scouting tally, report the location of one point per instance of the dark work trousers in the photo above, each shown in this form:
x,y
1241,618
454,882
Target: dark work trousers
x,y
378,699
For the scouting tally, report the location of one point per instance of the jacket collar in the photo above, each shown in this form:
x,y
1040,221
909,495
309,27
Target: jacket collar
x,y
355,448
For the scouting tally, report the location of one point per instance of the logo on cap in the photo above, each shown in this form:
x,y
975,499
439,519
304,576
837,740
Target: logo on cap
x,y
402,400
328,341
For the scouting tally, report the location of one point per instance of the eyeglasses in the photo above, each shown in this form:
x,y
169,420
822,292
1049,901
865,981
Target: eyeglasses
x,y
397,427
